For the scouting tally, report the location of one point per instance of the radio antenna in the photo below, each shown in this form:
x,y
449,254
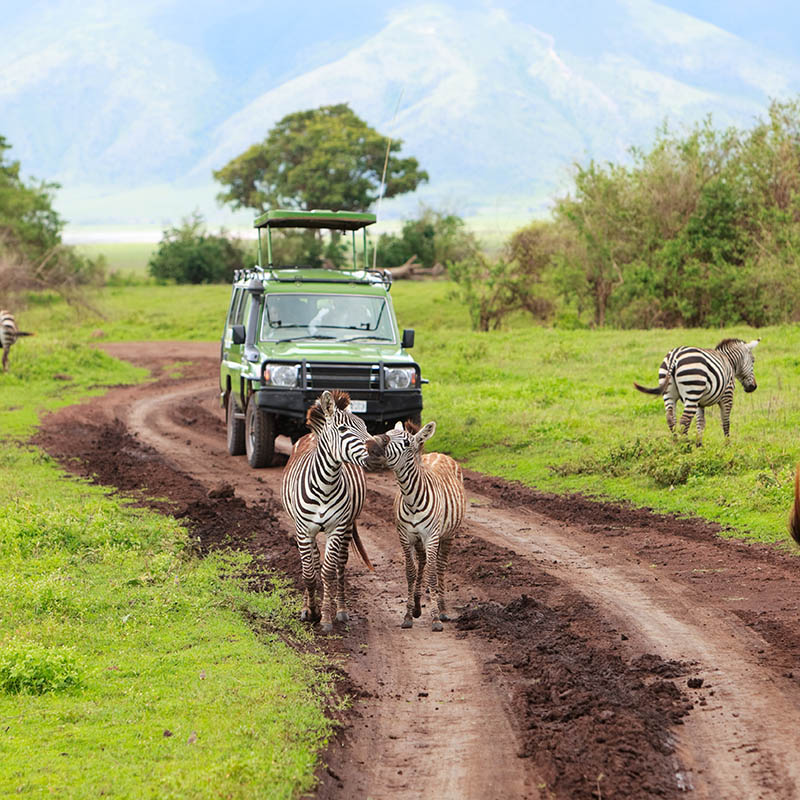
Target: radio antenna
x,y
383,179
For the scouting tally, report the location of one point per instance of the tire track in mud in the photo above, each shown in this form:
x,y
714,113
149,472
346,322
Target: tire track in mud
x,y
544,605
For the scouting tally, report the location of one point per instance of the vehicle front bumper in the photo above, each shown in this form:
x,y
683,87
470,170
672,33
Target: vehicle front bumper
x,y
383,406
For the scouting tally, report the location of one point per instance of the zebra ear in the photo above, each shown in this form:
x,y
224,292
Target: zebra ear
x,y
425,433
398,426
327,403
751,345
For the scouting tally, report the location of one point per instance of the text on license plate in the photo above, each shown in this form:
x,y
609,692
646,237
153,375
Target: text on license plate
x,y
358,406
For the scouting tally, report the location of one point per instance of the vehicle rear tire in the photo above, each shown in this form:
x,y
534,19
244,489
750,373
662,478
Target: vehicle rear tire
x,y
259,435
235,428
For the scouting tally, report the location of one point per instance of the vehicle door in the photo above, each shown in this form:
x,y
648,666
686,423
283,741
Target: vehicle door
x,y
233,352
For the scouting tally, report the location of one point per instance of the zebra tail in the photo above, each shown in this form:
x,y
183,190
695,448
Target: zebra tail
x,y
358,545
660,389
794,519
25,333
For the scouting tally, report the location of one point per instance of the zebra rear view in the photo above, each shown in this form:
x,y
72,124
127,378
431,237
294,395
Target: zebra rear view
x,y
9,334
699,378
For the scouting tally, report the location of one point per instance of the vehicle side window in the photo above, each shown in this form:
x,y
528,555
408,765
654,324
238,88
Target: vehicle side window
x,y
236,315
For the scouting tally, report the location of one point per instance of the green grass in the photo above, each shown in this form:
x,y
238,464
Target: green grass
x,y
129,667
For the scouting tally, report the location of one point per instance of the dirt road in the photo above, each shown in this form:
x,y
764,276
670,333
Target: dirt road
x,y
599,651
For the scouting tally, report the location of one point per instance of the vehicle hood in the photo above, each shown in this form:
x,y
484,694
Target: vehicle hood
x,y
327,351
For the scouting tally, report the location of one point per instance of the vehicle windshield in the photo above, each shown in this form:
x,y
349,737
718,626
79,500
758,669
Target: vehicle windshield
x,y
343,317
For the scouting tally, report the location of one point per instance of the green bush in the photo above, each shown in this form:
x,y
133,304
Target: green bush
x,y
33,669
190,254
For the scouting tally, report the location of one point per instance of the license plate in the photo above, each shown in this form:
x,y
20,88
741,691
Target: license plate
x,y
358,406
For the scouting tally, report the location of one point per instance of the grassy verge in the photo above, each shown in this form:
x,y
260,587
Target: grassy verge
x,y
555,409
127,666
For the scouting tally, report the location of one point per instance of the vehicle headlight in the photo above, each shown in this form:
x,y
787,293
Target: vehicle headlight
x,y
400,377
280,374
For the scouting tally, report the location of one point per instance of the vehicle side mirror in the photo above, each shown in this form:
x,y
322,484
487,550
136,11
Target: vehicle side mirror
x,y
408,338
238,334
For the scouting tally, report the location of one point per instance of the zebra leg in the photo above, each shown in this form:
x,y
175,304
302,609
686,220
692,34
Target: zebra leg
x,y
689,410
309,561
441,565
432,559
669,407
725,406
5,358
420,572
412,599
344,551
330,569
701,425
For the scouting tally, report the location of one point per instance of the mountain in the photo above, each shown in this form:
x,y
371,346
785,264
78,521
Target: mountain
x,y
132,107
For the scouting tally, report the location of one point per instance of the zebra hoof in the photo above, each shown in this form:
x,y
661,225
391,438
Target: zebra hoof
x,y
444,618
327,627
305,615
341,616
407,623
437,626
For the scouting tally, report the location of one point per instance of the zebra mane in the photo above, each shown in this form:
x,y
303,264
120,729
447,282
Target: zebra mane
x,y
411,427
315,416
728,343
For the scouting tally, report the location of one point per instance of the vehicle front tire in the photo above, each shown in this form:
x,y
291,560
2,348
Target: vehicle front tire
x,y
235,428
259,436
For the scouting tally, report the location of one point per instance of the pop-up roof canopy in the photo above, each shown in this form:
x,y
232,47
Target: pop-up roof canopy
x,y
316,218
330,220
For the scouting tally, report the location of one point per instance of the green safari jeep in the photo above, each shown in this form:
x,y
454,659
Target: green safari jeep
x,y
292,332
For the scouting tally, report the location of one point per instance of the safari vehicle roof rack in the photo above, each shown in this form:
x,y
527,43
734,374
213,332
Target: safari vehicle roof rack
x,y
368,277
316,219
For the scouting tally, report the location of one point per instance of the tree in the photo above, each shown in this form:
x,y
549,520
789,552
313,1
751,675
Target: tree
x,y
322,158
32,255
189,254
435,237
28,222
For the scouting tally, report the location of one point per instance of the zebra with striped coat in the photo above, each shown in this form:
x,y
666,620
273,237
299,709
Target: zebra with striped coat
x,y
428,509
8,335
700,378
323,491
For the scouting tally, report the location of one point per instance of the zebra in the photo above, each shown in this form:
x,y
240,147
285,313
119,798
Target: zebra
x,y
322,490
8,335
700,378
428,509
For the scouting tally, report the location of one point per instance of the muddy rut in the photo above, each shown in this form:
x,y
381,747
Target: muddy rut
x,y
599,651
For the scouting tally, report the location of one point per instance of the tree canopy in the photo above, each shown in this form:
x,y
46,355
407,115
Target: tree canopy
x,y
321,158
32,255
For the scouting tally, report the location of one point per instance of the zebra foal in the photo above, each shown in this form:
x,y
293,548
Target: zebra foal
x,y
323,490
700,378
428,509
8,335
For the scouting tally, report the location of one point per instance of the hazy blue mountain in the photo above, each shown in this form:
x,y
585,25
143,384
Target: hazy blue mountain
x,y
131,107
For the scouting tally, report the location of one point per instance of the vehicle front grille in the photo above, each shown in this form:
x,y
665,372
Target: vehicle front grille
x,y
348,377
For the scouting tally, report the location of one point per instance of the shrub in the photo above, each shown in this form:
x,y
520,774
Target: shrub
x,y
33,669
189,254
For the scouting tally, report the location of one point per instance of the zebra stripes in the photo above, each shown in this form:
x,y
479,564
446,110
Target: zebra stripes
x,y
323,490
700,378
428,510
8,335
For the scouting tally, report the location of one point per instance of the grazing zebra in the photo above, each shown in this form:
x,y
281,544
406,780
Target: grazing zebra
x,y
700,378
8,335
323,490
428,509
794,519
